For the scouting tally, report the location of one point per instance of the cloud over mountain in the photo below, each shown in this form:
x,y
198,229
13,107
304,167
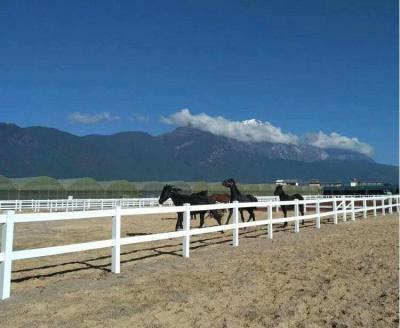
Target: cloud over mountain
x,y
92,118
336,140
250,130
257,131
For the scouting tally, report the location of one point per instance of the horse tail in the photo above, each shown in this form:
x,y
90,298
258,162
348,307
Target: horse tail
x,y
253,200
301,206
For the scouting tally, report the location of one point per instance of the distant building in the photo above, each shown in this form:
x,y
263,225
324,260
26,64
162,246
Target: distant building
x,y
354,183
284,182
314,183
332,184
360,188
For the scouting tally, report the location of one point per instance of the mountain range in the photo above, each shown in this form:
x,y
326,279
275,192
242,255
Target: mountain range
x,y
183,154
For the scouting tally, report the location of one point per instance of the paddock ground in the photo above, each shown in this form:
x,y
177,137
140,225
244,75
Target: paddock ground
x,y
343,275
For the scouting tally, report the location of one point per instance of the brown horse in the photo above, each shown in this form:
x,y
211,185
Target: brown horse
x,y
220,198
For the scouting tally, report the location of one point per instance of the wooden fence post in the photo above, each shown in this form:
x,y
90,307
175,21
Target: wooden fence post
x,y
390,205
353,213
318,218
383,206
116,236
186,228
296,214
235,232
6,248
335,216
270,232
374,205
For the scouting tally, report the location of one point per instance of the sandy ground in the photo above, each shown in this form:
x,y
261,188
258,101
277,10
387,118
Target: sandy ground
x,y
343,275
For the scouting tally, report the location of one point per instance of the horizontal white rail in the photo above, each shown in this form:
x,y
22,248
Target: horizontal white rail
x,y
342,205
68,205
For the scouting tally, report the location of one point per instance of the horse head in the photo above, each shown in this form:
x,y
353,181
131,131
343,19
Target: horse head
x,y
229,183
165,193
278,190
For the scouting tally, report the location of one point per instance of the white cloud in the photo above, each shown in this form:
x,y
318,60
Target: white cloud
x,y
142,119
92,118
256,131
250,130
336,140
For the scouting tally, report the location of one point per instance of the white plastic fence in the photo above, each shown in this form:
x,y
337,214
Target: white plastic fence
x,y
67,205
344,207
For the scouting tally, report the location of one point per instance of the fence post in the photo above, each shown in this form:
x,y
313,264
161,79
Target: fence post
x,y
334,210
365,208
353,213
390,205
6,249
116,235
383,206
186,228
270,232
398,203
296,214
344,209
235,236
318,210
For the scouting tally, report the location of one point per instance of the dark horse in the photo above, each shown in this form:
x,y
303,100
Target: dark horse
x,y
236,195
285,197
194,199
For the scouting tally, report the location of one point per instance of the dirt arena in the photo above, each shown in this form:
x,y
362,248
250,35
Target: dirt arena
x,y
343,275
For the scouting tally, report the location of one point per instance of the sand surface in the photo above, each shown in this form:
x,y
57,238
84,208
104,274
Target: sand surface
x,y
343,275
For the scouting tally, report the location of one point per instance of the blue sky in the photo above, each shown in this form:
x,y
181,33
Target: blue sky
x,y
303,66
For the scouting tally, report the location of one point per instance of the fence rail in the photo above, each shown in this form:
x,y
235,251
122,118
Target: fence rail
x,y
68,205
345,207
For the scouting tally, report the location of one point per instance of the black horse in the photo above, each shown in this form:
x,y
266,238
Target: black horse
x,y
194,199
285,197
236,195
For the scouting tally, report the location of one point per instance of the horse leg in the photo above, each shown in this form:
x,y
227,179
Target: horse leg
x,y
179,222
241,215
284,210
302,213
201,219
251,215
217,217
229,216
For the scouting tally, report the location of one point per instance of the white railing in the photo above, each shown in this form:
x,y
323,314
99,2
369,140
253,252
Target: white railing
x,y
67,205
337,206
